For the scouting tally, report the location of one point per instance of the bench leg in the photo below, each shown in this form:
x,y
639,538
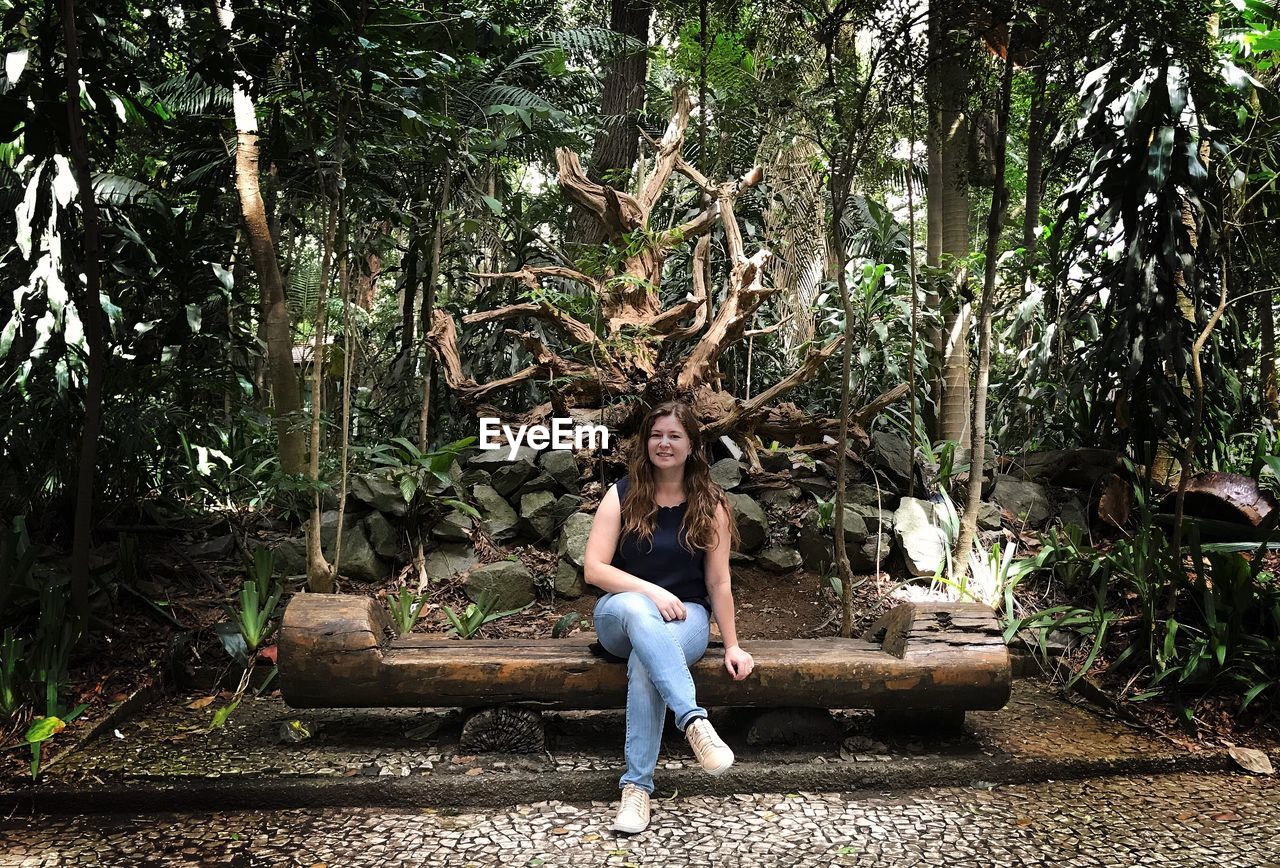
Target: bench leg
x,y
943,722
503,729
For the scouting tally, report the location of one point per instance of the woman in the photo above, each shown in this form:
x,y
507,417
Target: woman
x,y
659,547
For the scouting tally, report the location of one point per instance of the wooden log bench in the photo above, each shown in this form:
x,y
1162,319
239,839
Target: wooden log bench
x,y
922,665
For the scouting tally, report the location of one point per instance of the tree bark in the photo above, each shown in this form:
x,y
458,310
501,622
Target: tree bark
x,y
409,296
89,302
995,222
320,573
1270,386
429,300
1035,168
286,393
622,96
952,58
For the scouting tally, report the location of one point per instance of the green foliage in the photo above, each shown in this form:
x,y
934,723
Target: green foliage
x,y
419,475
12,677
477,614
566,624
405,607
1225,635
252,621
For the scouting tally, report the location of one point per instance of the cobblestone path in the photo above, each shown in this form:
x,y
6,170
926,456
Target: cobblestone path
x,y
1177,820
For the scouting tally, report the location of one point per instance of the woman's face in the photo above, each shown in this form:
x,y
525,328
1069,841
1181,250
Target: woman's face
x,y
668,443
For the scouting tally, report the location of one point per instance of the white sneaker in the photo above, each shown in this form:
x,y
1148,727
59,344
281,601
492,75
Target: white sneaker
x,y
712,753
633,813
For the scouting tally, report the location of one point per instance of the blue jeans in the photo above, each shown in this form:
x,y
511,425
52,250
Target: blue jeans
x,y
658,655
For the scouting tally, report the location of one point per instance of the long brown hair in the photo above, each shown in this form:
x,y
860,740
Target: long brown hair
x,y
702,496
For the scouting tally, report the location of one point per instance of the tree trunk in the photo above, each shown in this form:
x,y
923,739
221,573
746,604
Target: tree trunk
x,y
286,393
934,221
623,94
995,222
951,55
1270,397
429,300
1035,168
839,198
320,574
89,302
409,295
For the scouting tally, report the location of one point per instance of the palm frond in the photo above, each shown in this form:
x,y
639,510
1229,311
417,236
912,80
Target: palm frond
x,y
118,190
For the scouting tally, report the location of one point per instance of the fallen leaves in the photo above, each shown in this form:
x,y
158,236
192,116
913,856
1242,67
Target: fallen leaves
x,y
202,702
1251,760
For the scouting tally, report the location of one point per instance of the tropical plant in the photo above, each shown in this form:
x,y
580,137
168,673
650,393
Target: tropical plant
x,y
477,614
405,607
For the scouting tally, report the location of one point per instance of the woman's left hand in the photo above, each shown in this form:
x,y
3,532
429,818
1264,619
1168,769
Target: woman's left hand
x,y
738,662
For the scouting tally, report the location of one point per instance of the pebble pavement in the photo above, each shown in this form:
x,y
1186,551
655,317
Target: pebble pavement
x,y
1222,820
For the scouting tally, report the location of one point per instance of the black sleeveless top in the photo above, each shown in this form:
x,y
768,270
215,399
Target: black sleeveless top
x,y
665,562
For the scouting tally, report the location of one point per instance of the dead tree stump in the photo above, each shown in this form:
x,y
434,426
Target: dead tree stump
x,y
504,729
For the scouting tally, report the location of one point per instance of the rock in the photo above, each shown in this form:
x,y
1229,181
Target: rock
x,y
499,519
569,581
876,520
562,467
816,544
379,491
445,562
573,538
855,526
510,581
779,496
726,473
493,459
813,544
1081,468
506,480
359,560
537,509
435,485
1074,511
473,476
214,549
779,559
1027,501
289,558
775,462
989,516
384,538
753,527
891,454
538,482
923,544
867,495
818,486
566,505
793,726
453,527
862,556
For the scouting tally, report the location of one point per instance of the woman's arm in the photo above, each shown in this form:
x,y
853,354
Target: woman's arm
x,y
737,661
601,546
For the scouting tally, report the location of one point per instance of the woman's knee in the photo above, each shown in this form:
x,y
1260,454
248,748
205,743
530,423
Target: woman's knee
x,y
630,606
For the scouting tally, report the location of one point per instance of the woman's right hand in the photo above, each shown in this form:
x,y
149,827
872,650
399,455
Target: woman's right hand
x,y
668,604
